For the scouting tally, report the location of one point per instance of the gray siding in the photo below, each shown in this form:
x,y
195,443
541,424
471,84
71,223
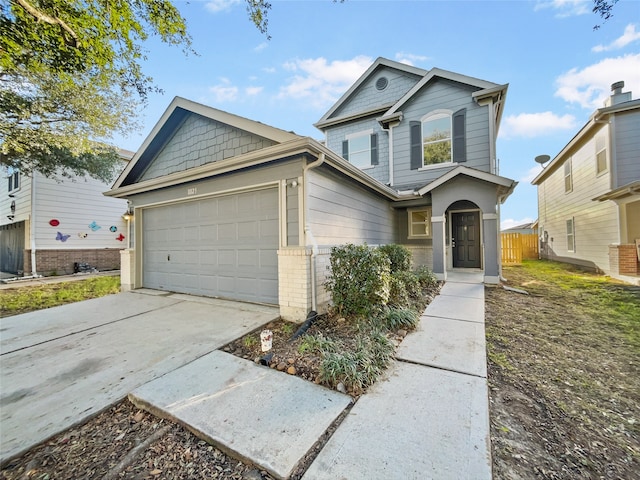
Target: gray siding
x,y
293,222
367,96
342,212
441,94
200,140
336,135
626,131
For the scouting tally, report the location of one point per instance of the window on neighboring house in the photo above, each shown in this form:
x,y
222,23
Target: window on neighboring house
x,y
571,236
420,223
361,149
568,181
438,138
601,155
14,180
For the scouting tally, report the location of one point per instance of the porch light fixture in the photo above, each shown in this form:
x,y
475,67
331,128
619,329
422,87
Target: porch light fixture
x,y
128,215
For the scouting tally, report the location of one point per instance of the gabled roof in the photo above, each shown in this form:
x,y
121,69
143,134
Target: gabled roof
x,y
597,119
505,185
380,62
173,117
489,88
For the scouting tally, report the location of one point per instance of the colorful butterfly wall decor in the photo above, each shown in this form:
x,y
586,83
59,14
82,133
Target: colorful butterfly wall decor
x,y
62,237
94,226
120,237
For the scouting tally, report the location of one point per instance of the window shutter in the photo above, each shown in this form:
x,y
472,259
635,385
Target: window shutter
x,y
415,138
345,149
459,143
374,149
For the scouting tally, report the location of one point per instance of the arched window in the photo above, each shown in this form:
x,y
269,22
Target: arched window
x,y
439,137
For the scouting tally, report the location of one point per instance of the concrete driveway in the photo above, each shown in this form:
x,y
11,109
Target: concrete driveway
x,y
62,365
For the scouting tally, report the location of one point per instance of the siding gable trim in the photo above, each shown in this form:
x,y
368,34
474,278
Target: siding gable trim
x,y
173,117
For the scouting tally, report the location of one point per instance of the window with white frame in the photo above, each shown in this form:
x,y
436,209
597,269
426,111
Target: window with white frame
x,y
361,149
601,155
420,222
571,236
568,181
436,139
13,180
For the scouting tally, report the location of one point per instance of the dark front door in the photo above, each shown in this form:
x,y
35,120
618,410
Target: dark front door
x,y
466,239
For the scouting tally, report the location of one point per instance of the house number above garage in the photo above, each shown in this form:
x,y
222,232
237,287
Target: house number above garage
x,y
192,191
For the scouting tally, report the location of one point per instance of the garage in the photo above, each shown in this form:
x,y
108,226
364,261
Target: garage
x,y
224,246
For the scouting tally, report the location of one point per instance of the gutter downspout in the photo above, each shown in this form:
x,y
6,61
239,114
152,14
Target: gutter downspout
x,y
32,227
309,238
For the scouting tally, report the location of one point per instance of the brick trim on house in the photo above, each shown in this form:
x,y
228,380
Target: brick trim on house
x,y
60,262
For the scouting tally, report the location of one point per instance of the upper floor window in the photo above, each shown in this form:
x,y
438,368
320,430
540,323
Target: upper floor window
x,y
601,155
14,180
420,223
438,138
568,181
361,149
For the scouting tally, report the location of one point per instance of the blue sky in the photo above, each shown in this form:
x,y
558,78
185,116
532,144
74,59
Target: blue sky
x,y
559,69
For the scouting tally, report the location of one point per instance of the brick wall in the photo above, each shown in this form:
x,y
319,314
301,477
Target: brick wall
x,y
294,282
60,262
623,259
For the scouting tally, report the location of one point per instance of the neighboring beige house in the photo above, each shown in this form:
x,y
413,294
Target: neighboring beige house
x,y
589,194
48,225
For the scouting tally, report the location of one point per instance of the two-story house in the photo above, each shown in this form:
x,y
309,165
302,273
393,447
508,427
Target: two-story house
x,y
48,225
589,194
225,206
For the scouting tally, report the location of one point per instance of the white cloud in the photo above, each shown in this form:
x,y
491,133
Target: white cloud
x,y
320,82
565,8
252,91
261,47
590,86
224,92
410,58
510,222
269,70
531,125
629,36
531,174
215,6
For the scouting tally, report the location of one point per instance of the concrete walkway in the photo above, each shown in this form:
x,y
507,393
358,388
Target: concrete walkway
x,y
427,419
62,365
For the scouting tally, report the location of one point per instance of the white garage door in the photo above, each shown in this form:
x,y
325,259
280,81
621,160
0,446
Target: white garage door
x,y
220,247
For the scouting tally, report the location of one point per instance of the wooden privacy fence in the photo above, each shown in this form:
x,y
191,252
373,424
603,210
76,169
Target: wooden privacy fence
x,y
519,246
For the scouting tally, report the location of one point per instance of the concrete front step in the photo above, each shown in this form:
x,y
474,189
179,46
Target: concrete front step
x,y
260,415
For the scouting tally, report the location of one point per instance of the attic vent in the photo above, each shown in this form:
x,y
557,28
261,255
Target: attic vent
x,y
382,83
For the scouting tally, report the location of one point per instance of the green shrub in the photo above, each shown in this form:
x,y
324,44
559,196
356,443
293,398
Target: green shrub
x,y
398,295
359,279
399,256
425,276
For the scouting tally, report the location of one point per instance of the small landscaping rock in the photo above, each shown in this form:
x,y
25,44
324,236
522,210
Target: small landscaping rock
x,y
281,366
341,388
291,370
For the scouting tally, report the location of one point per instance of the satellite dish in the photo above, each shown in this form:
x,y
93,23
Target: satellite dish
x,y
542,159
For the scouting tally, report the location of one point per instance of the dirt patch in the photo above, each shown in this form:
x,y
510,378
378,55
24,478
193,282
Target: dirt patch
x,y
564,379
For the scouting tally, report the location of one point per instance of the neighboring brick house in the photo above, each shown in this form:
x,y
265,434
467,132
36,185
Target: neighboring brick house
x,y
589,194
47,225
228,207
